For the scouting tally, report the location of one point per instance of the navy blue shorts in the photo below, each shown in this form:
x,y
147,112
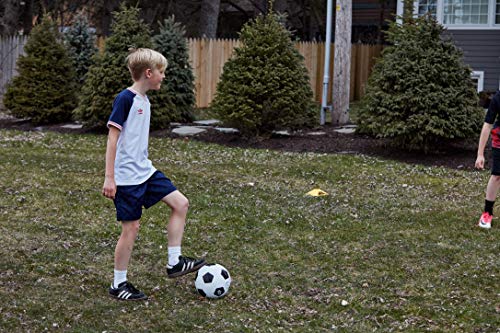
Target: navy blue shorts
x,y
130,199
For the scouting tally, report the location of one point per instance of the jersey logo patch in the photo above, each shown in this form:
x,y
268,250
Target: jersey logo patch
x,y
139,111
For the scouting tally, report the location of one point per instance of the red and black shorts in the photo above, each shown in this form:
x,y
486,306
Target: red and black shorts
x,y
495,166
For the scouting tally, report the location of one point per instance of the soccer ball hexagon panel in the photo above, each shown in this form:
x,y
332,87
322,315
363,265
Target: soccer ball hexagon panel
x,y
212,281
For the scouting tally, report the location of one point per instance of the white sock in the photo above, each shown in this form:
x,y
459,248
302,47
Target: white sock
x,y
120,276
173,255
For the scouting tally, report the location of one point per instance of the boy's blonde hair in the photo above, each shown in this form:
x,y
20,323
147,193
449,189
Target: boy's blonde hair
x,y
141,59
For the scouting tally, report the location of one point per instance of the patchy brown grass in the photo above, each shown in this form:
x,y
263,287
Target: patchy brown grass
x,y
392,248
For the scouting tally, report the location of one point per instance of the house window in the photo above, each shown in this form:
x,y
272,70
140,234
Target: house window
x,y
478,79
428,6
497,16
468,12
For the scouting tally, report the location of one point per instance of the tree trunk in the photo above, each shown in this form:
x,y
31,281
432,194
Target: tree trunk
x,y
27,16
280,6
261,6
342,62
380,32
209,16
10,18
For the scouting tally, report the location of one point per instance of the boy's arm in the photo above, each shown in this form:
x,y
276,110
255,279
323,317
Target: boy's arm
x,y
109,187
483,139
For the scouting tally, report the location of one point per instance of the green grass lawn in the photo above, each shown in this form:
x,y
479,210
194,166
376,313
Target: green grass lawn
x,y
396,242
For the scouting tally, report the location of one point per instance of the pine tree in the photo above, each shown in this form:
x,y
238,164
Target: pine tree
x,y
175,100
265,86
420,92
80,41
45,89
109,74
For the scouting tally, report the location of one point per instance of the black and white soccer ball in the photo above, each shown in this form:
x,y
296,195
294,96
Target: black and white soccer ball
x,y
212,281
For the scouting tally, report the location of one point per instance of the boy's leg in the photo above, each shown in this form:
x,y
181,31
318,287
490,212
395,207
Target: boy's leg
x,y
492,188
175,228
491,194
121,288
178,265
123,249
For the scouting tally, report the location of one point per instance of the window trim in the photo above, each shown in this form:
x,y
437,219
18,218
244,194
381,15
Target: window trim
x,y
480,79
491,25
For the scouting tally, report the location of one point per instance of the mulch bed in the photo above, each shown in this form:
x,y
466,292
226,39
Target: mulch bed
x,y
457,155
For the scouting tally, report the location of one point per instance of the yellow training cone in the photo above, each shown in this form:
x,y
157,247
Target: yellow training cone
x,y
316,193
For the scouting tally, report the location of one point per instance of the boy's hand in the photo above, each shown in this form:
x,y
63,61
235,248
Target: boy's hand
x,y
480,162
109,187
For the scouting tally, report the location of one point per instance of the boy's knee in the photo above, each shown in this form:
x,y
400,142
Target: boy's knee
x,y
131,227
185,204
495,178
182,205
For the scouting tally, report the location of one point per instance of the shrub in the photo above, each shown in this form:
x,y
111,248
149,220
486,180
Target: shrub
x,y
80,42
175,100
45,89
420,92
265,86
109,74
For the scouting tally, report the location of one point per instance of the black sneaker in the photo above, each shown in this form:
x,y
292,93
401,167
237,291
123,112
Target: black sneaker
x,y
126,292
184,266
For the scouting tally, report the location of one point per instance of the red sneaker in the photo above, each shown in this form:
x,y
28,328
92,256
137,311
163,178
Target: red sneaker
x,y
485,220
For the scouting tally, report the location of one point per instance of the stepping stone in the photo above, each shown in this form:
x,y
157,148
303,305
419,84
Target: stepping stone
x,y
188,130
202,127
316,133
345,130
208,122
227,130
350,126
282,133
17,121
10,117
175,124
72,126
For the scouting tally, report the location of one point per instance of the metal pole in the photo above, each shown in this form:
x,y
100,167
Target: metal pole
x,y
326,72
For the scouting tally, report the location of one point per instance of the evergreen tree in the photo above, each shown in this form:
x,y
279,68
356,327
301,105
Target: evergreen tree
x,y
175,100
80,41
109,74
265,86
45,89
420,92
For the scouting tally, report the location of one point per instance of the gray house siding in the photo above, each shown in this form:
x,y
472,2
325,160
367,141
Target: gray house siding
x,y
481,52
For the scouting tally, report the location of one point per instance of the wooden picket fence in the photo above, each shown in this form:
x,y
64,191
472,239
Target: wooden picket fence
x,y
208,56
10,49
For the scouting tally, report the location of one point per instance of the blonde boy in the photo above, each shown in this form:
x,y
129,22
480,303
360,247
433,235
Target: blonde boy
x,y
132,181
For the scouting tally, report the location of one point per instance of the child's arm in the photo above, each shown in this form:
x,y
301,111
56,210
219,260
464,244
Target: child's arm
x,y
109,187
483,139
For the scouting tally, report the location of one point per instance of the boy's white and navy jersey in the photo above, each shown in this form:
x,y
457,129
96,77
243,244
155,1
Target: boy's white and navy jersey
x,y
131,115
